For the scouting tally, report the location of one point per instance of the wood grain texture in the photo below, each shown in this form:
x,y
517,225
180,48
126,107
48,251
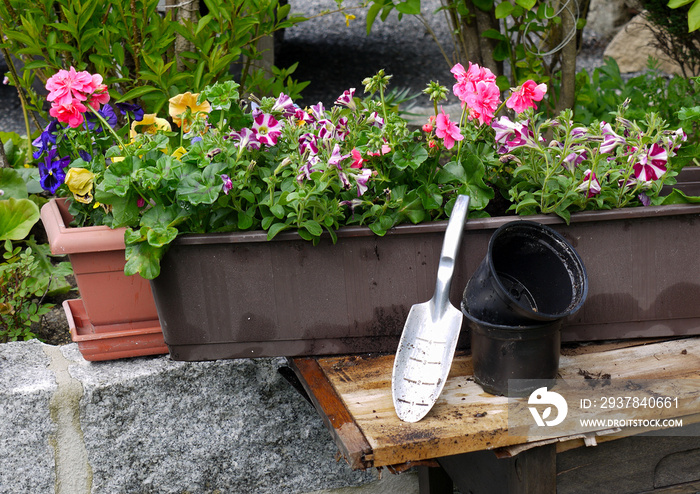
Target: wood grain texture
x,y
346,434
465,418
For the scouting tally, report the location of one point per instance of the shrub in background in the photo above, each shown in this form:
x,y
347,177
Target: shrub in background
x,y
132,45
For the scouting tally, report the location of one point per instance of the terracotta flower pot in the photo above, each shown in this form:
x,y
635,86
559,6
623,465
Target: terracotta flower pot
x,y
238,295
111,301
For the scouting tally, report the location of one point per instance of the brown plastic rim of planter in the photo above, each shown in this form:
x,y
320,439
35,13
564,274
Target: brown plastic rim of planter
x,y
530,274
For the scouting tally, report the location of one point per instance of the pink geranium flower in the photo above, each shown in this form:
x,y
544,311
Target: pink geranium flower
x,y
72,114
467,79
384,150
483,102
68,85
357,159
524,97
447,130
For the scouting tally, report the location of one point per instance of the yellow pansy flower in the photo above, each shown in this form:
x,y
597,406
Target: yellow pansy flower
x,y
179,152
79,182
181,103
150,124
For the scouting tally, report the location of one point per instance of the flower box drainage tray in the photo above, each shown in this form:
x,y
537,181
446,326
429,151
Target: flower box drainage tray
x,y
113,341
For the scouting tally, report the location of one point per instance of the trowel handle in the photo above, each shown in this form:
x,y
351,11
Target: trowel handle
x,y
450,248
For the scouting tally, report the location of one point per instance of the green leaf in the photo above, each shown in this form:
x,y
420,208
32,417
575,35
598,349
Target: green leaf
x,y
524,204
372,13
144,259
504,9
694,17
17,217
526,4
679,197
275,229
313,227
484,5
245,220
158,216
125,211
674,4
277,210
409,7
12,184
494,33
161,235
689,113
136,93
133,236
501,51
195,189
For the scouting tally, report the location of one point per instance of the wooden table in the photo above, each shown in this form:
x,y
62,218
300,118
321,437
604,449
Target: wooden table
x,y
466,432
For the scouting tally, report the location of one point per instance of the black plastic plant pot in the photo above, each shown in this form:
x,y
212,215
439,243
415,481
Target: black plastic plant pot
x,y
514,360
530,275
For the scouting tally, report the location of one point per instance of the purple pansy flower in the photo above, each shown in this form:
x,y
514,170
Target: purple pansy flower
x,y
106,112
47,138
128,108
51,171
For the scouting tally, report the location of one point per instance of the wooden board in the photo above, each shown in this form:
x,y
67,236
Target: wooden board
x,y
465,418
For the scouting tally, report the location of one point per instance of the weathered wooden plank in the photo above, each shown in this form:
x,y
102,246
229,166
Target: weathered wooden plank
x,y
465,418
631,465
675,358
480,472
346,434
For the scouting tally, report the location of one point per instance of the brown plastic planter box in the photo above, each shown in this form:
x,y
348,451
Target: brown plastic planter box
x,y
238,295
110,300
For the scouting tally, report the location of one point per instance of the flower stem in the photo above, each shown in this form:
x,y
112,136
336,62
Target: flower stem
x,y
105,125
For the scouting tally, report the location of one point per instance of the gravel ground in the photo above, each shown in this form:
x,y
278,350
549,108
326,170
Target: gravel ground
x,y
335,57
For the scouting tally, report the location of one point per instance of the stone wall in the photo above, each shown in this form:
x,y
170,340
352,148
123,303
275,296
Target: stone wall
x,y
153,425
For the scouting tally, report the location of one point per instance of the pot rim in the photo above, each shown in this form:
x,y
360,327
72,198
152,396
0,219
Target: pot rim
x,y
490,223
567,252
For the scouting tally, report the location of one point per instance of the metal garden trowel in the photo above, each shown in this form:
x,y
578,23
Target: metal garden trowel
x,y
429,337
